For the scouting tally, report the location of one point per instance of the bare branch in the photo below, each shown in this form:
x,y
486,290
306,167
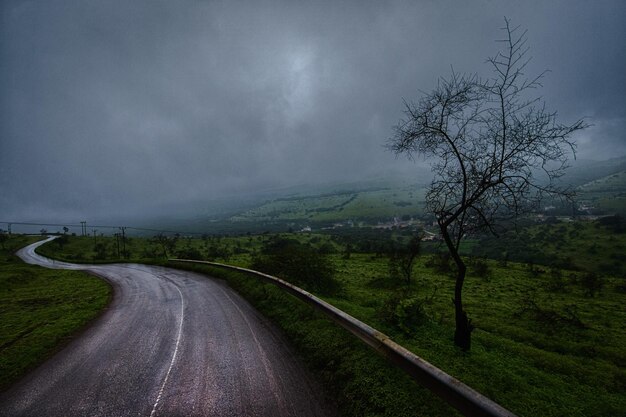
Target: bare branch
x,y
489,138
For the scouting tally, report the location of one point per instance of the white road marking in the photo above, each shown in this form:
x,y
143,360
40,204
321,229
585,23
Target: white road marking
x,y
180,332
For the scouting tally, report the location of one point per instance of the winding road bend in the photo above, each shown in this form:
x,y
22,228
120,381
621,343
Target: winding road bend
x,y
171,343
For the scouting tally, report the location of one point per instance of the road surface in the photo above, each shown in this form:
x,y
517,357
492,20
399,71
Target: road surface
x,y
172,343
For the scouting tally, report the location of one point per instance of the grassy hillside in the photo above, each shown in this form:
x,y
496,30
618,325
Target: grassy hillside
x,y
606,194
40,309
530,327
583,171
369,205
598,247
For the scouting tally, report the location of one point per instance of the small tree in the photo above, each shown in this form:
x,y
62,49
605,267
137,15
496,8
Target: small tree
x,y
100,251
489,141
402,260
62,240
591,283
297,263
167,244
3,238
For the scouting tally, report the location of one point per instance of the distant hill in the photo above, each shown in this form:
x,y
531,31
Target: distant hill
x,y
585,171
369,204
606,195
601,184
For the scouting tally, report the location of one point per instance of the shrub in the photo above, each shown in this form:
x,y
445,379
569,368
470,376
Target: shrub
x,y
189,253
403,312
556,282
440,262
550,319
591,284
296,263
215,252
480,268
327,249
616,224
100,251
61,241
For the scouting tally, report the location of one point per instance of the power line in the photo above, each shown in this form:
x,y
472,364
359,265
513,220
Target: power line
x,y
83,226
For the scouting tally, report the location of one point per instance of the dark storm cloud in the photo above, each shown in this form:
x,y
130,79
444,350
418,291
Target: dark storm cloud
x,y
123,106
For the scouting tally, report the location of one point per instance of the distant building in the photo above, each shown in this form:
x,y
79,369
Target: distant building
x,y
429,236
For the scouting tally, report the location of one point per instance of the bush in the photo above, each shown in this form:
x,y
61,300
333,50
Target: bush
x,y
61,241
403,312
591,284
189,253
480,268
410,314
215,252
440,262
298,264
552,320
616,224
327,249
556,282
100,251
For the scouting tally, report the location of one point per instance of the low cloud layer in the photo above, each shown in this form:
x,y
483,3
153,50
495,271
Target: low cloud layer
x,y
121,107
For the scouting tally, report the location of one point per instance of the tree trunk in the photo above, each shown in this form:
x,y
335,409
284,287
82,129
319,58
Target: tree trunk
x,y
463,330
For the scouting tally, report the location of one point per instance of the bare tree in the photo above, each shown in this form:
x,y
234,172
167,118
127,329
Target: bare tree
x,y
402,260
496,152
168,244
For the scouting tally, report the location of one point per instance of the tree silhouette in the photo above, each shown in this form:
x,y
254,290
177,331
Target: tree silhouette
x,y
495,151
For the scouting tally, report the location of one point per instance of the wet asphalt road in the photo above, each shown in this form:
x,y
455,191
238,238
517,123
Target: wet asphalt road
x,y
171,343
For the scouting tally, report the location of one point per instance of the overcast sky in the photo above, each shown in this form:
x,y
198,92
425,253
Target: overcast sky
x,y
123,106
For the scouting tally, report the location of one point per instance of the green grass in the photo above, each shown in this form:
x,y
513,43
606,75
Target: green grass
x,y
40,310
532,366
582,245
528,366
542,345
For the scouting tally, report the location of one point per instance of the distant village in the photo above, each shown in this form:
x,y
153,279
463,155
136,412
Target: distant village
x,y
585,211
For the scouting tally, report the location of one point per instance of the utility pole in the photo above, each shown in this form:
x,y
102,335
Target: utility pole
x,y
83,228
117,242
9,228
123,229
95,242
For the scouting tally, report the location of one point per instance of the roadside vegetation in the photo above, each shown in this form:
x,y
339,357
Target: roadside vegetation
x,y
40,309
548,340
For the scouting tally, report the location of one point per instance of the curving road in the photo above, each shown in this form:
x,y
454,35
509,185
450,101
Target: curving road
x,y
171,343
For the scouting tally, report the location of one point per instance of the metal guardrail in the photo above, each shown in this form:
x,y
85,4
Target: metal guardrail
x,y
454,392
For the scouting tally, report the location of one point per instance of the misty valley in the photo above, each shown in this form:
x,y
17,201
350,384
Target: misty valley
x,y
546,298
